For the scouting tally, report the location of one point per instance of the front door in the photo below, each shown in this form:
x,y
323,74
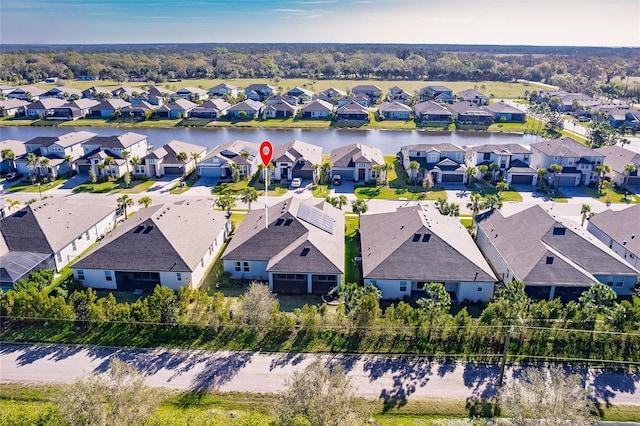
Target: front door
x,y
361,174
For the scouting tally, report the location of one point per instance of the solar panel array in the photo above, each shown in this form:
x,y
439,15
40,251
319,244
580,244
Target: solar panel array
x,y
316,218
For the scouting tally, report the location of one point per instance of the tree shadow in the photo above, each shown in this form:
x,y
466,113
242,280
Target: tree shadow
x,y
286,359
481,378
220,370
32,353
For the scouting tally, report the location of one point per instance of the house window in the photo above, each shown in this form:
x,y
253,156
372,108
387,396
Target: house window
x,y
570,162
403,286
107,276
179,276
80,274
246,267
238,266
479,288
610,280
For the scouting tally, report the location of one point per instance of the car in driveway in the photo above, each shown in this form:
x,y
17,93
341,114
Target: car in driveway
x,y
296,182
14,176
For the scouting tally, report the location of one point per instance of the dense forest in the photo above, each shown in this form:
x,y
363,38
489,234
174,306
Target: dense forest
x,y
589,70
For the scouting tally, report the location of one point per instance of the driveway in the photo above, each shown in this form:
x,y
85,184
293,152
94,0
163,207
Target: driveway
x,y
203,186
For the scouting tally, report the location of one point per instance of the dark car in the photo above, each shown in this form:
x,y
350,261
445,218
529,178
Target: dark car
x,y
14,176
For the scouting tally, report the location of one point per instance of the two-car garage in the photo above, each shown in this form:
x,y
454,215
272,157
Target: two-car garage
x,y
521,180
452,178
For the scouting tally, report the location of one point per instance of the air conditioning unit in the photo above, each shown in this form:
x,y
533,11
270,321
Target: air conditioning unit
x,y
357,260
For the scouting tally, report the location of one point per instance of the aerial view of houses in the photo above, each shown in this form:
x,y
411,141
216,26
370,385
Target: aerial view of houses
x,y
319,213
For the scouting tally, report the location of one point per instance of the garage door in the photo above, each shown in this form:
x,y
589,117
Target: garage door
x,y
566,180
83,169
304,174
215,172
173,170
633,181
521,179
290,283
452,178
321,284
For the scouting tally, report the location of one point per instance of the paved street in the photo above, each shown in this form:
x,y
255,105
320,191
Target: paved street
x,y
394,379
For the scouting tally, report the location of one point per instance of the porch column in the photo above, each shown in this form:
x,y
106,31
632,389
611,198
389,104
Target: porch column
x,y
270,281
309,283
552,292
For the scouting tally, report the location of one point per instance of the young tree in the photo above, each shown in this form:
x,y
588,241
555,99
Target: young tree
x,y
342,201
44,162
258,305
145,201
628,169
483,169
92,176
69,159
495,168
226,202
437,300
183,158
585,211
234,168
107,162
195,156
414,166
319,396
602,170
248,196
556,169
124,202
119,398
475,204
547,397
135,162
471,175
8,155
13,204
359,206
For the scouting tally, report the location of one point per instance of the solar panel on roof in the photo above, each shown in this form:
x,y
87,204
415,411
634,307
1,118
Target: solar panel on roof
x,y
316,218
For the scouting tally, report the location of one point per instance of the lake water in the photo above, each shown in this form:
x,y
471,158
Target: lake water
x,y
387,140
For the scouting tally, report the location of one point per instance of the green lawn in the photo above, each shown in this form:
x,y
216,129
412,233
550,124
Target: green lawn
x,y
508,195
235,188
135,187
609,195
178,188
321,191
352,249
28,187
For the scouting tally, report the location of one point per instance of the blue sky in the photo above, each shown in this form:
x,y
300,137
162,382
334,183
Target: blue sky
x,y
529,22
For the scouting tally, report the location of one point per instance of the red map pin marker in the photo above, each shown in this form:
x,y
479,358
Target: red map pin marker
x,y
266,151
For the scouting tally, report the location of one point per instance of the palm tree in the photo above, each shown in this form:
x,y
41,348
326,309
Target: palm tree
x,y
502,186
556,169
226,202
386,168
195,156
541,173
316,176
471,174
108,161
585,211
414,166
69,159
234,168
32,161
475,204
124,202
325,170
494,167
44,162
8,155
602,170
126,155
135,162
101,167
183,158
359,206
494,201
378,169
248,196
145,201
342,201
483,171
628,169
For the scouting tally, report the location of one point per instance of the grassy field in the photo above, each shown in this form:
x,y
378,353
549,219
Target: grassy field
x,y
490,88
35,404
609,195
28,187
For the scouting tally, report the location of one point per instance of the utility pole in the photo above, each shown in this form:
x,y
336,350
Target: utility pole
x,y
505,351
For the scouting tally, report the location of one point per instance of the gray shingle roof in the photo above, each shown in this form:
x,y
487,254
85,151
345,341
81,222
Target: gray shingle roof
x,y
120,141
232,150
47,103
247,105
282,244
110,104
17,147
527,239
48,226
471,94
65,140
509,148
347,156
163,238
318,105
502,108
178,105
622,226
430,107
418,243
297,150
564,147
618,157
394,106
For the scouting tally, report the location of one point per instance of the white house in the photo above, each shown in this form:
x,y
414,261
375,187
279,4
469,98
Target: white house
x,y
578,162
443,161
620,230
514,161
356,162
296,159
171,245
218,161
164,160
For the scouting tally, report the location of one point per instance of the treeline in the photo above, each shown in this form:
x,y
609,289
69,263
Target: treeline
x,y
573,69
596,327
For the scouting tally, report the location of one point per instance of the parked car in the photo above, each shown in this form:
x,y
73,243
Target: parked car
x,y
337,180
14,176
296,182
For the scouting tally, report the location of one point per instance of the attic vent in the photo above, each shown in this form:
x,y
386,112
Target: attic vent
x,y
549,260
138,229
305,251
279,222
416,237
288,222
148,229
558,230
426,238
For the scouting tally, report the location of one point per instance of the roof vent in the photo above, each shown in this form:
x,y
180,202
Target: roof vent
x,y
549,260
624,243
633,236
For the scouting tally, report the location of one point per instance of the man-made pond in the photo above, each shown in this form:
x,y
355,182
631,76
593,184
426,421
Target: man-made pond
x,y
388,141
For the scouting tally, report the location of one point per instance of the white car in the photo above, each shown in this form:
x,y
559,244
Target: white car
x,y
296,182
